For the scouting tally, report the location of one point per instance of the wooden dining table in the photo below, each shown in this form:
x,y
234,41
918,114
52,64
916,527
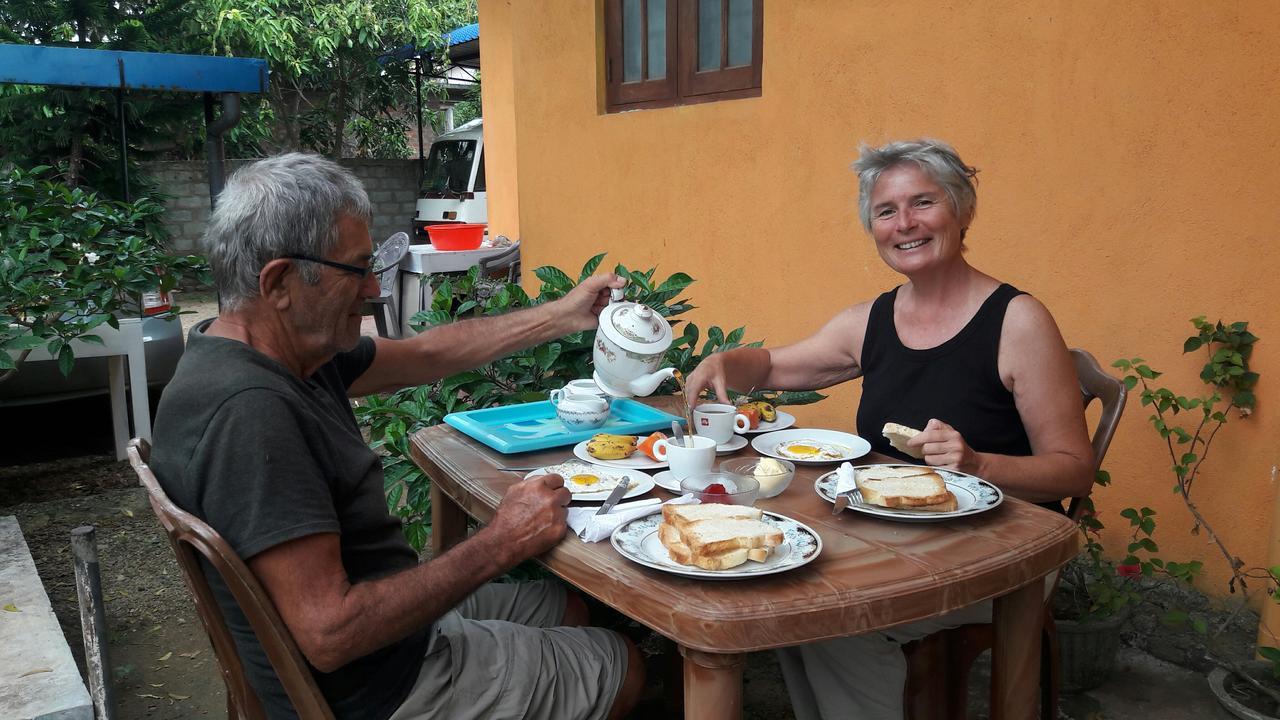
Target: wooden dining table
x,y
871,574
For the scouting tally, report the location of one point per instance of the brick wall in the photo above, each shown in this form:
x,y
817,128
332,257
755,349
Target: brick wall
x,y
391,184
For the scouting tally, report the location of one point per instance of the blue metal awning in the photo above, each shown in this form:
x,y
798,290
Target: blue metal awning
x,y
466,33
79,67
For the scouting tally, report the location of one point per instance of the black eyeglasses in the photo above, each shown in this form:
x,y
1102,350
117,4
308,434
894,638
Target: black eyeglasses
x,y
363,272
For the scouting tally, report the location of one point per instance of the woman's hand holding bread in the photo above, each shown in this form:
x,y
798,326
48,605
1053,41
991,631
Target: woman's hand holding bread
x,y
943,446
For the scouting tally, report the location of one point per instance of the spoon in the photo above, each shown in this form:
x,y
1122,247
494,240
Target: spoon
x,y
678,433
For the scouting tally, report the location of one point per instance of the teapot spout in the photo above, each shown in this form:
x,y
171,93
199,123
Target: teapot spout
x,y
646,384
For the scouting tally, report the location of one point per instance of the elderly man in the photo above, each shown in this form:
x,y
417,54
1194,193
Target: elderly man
x,y
255,434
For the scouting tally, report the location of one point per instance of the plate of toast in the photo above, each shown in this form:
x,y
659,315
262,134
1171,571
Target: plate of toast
x,y
718,542
913,493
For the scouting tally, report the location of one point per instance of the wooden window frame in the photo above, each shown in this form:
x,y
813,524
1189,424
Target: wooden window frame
x,y
684,84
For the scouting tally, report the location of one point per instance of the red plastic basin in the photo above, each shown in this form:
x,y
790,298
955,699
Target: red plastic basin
x,y
458,236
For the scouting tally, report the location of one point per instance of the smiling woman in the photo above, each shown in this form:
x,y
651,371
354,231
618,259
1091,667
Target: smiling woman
x,y
976,363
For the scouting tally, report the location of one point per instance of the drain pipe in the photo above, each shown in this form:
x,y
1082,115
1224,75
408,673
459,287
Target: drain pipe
x,y
213,144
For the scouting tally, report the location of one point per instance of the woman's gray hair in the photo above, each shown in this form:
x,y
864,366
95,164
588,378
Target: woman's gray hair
x,y
282,205
938,159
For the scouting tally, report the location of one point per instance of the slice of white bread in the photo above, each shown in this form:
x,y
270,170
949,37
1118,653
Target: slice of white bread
x,y
716,537
907,488
713,537
951,504
681,553
898,435
682,515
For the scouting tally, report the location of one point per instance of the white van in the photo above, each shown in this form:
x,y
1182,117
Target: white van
x,y
453,187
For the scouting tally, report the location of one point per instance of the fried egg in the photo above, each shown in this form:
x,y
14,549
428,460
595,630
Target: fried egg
x,y
583,478
811,450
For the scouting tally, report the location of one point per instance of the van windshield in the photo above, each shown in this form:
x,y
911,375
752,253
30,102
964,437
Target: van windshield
x,y
449,166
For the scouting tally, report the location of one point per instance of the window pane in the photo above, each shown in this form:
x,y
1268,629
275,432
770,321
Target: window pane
x,y
739,32
657,11
631,48
708,35
449,166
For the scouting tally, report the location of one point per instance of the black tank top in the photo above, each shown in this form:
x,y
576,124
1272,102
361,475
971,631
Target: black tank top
x,y
957,382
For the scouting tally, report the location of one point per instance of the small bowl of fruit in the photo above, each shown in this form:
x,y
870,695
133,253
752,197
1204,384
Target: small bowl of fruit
x,y
772,474
724,488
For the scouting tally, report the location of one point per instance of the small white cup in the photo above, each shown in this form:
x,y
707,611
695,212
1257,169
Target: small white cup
x,y
695,457
581,412
581,387
719,421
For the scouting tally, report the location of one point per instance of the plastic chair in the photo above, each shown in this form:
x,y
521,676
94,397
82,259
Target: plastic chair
x,y
509,261
938,665
191,539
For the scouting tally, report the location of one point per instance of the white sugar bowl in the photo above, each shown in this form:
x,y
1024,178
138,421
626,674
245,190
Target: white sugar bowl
x,y
580,412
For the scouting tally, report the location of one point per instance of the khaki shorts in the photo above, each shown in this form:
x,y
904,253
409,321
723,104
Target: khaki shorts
x,y
499,655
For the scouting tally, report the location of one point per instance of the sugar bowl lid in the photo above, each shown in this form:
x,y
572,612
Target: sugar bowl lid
x,y
634,327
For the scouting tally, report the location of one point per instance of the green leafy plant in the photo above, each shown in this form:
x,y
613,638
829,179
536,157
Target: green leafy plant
x,y
524,376
1229,384
1096,588
71,261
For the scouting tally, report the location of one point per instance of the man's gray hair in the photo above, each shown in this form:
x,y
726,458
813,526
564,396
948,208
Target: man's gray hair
x,y
938,159
282,205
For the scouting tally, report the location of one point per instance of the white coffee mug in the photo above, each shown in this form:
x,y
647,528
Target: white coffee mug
x,y
581,387
695,457
719,422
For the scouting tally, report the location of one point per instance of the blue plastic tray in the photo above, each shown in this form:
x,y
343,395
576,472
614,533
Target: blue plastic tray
x,y
534,426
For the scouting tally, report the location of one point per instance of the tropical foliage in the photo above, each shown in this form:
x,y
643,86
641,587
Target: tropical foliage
x,y
524,376
328,92
71,261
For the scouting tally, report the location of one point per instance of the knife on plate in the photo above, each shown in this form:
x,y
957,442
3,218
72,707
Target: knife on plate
x,y
841,502
614,496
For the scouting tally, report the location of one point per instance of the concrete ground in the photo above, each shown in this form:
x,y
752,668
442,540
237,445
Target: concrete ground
x,y
1142,688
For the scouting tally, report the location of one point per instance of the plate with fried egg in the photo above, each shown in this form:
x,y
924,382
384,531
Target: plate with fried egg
x,y
813,447
588,483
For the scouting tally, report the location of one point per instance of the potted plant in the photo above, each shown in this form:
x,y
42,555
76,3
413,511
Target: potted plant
x,y
1249,691
1096,594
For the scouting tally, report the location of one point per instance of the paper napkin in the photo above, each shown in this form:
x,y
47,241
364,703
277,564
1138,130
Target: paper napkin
x,y
844,479
593,528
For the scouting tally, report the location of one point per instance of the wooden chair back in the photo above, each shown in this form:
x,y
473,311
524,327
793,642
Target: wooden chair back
x,y
192,539
1097,384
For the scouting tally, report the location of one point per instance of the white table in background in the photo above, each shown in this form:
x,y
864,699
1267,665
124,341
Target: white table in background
x,y
119,346
411,292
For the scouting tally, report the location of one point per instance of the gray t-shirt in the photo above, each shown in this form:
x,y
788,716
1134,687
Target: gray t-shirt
x,y
266,457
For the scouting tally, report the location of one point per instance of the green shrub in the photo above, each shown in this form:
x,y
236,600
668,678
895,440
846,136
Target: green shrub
x,y
524,376
70,261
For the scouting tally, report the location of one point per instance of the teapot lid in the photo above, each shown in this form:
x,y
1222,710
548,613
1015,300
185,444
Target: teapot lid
x,y
635,327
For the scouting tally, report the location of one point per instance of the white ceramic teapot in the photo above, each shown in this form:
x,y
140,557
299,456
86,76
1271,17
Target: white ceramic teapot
x,y
629,346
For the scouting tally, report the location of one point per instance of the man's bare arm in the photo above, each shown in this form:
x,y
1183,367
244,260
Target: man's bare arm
x,y
448,349
335,622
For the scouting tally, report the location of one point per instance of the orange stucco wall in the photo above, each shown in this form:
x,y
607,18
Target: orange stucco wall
x,y
1129,162
499,120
